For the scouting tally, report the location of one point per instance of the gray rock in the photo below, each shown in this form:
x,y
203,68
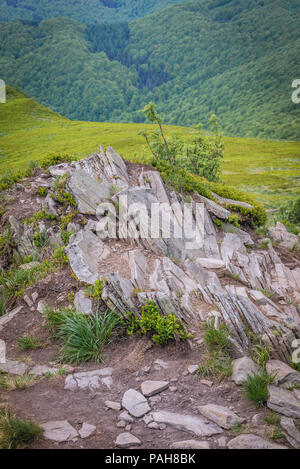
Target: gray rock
x,y
222,442
59,431
41,306
86,430
258,419
214,208
85,251
192,369
13,367
107,381
89,380
147,419
150,388
211,263
188,423
126,440
88,192
284,402
249,441
222,416
290,431
280,234
2,351
82,303
121,424
284,374
126,417
135,403
242,367
190,444
22,236
6,318
41,370
112,405
153,426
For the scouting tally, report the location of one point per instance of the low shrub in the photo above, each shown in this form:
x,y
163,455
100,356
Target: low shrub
x,y
56,158
95,291
161,328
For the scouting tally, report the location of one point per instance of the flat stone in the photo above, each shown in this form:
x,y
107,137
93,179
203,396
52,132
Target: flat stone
x,y
206,382
82,303
135,403
6,318
41,306
153,425
147,419
28,301
121,424
112,405
242,367
249,441
192,369
86,380
14,368
126,440
291,432
59,431
222,416
190,444
86,430
2,351
209,263
188,423
161,363
284,402
41,370
284,374
107,381
150,388
126,417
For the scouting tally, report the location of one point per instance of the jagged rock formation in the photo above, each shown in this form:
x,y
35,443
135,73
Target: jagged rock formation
x,y
223,277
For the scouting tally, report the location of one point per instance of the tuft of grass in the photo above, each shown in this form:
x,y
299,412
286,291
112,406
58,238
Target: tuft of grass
x,y
216,339
237,428
29,342
16,433
256,386
216,365
261,354
11,383
2,306
275,433
272,418
83,337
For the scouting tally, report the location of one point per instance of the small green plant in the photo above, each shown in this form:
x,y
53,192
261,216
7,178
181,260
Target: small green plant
x,y
55,159
234,220
41,239
235,277
16,433
6,243
59,257
95,291
42,215
216,339
2,306
42,191
237,428
215,364
65,236
267,293
264,245
23,382
60,194
261,354
218,222
29,343
161,328
256,386
275,433
48,374
272,418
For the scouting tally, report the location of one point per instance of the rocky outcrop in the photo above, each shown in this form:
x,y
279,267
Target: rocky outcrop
x,y
186,275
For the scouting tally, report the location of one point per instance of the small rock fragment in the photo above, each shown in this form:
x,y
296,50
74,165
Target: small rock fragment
x,y
125,440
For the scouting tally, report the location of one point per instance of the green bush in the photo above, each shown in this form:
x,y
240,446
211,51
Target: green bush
x,y
256,386
95,291
16,433
55,159
40,239
161,328
42,191
42,215
61,195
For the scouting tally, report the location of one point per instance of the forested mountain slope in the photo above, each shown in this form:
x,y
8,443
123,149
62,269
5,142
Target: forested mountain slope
x,y
231,57
91,11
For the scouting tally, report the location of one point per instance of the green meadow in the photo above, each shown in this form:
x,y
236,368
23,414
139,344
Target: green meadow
x,y
269,170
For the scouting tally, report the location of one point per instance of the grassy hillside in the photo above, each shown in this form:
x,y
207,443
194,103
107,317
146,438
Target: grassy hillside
x,y
28,131
236,58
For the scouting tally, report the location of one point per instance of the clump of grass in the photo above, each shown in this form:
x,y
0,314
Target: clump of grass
x,y
216,338
272,418
41,239
2,306
16,433
95,291
275,433
29,342
11,383
237,428
261,354
83,337
256,386
267,293
42,191
216,365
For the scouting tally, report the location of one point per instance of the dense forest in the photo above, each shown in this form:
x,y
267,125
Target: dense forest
x,y
91,11
234,58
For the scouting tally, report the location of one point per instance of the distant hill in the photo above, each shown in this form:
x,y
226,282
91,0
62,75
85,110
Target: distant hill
x,y
269,170
236,58
93,11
